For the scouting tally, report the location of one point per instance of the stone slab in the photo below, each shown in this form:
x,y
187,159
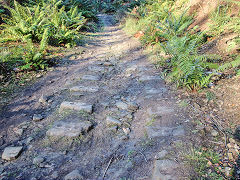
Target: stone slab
x,y
69,128
91,89
160,110
155,90
149,78
77,106
113,121
179,131
122,105
11,153
154,132
74,175
91,77
96,68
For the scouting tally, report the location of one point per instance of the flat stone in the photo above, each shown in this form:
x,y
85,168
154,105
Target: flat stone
x,y
113,121
162,154
149,78
160,110
77,106
132,106
178,131
154,132
164,170
37,117
28,140
11,153
38,160
129,106
69,128
132,69
108,64
74,175
96,68
55,175
122,105
91,77
77,94
91,89
155,90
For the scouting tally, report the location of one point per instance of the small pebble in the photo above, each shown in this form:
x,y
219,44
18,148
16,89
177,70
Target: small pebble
x,y
37,117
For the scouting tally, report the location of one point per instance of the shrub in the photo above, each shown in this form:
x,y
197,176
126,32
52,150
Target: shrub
x,y
30,23
186,68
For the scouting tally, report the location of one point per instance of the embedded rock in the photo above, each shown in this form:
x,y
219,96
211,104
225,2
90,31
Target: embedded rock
x,y
74,175
91,77
11,153
112,121
91,89
77,106
69,129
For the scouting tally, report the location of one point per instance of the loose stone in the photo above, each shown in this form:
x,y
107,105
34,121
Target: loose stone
x,y
37,117
77,106
107,64
126,131
11,153
122,105
162,154
74,175
132,106
38,160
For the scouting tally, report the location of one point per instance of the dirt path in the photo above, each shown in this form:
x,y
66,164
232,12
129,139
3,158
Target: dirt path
x,y
106,115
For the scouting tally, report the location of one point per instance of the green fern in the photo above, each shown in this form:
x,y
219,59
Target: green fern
x,y
186,67
44,41
233,64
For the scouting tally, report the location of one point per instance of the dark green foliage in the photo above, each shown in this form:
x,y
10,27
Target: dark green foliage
x,y
44,22
33,58
30,23
186,67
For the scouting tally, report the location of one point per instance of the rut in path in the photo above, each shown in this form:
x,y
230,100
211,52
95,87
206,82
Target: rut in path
x,y
108,116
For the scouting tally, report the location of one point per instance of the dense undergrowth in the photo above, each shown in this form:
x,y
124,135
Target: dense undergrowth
x,y
165,25
27,30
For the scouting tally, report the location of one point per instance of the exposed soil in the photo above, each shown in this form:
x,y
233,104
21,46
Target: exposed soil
x,y
121,84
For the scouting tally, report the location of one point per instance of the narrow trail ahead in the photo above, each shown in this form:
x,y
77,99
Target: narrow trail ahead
x,y
108,115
